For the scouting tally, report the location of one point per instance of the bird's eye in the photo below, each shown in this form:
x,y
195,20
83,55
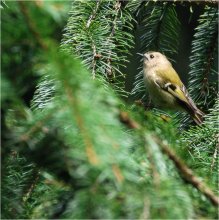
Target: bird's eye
x,y
151,56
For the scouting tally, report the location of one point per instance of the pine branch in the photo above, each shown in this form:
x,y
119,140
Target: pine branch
x,y
32,186
214,156
204,50
45,90
92,165
185,172
93,15
16,178
202,142
103,52
38,126
31,25
73,102
81,126
188,175
117,7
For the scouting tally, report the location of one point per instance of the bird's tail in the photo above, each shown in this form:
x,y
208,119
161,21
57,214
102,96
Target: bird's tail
x,y
196,114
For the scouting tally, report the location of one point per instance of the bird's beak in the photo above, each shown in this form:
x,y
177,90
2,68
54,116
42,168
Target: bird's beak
x,y
141,54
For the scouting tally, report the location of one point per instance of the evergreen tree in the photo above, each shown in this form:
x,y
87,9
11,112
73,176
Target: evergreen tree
x,y
73,147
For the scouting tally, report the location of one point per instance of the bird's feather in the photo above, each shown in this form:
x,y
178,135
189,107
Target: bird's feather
x,y
169,75
174,86
186,102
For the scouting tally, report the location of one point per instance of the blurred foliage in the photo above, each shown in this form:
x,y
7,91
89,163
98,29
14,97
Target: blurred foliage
x,y
21,47
72,148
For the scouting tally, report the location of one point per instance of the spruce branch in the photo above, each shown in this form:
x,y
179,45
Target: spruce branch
x,y
117,7
203,142
32,186
93,15
38,126
124,118
17,175
202,67
91,154
103,52
185,172
214,157
31,25
207,68
93,64
95,56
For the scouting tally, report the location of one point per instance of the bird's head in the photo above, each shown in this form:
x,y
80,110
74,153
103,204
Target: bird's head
x,y
154,59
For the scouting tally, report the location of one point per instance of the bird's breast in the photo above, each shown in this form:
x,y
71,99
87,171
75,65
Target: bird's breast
x,y
150,77
159,96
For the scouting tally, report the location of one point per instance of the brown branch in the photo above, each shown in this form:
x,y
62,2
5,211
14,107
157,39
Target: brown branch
x,y
95,55
154,171
93,15
185,172
146,209
117,8
209,63
158,32
32,186
124,118
118,174
91,154
38,126
31,25
94,59
215,155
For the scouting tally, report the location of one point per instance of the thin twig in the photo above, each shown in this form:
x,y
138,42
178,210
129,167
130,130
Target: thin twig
x,y
93,15
73,101
124,118
109,59
146,210
38,126
214,156
31,25
158,28
208,65
185,172
154,171
32,187
95,55
93,64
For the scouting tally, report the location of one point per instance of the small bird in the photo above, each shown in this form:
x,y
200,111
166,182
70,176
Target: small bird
x,y
165,87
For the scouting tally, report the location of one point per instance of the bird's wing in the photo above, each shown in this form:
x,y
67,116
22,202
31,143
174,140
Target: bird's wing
x,y
168,80
169,75
186,102
173,85
174,90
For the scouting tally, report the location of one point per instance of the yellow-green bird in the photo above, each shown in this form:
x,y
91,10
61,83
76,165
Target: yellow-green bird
x,y
165,87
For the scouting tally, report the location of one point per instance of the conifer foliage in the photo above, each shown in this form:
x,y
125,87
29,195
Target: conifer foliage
x,y
203,64
105,51
76,149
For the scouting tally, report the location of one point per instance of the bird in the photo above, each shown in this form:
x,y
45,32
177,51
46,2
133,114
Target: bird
x,y
165,86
